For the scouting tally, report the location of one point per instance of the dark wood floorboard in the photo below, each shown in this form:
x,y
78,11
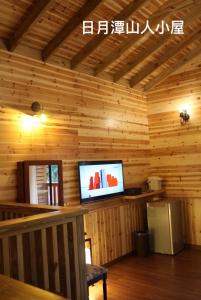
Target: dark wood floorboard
x,y
156,277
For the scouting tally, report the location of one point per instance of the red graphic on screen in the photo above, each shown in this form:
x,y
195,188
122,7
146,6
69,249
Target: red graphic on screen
x,y
101,180
112,181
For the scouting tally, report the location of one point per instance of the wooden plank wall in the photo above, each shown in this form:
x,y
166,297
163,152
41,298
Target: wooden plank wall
x,y
88,119
176,149
111,230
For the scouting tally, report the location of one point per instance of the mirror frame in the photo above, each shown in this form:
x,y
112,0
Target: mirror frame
x,y
23,190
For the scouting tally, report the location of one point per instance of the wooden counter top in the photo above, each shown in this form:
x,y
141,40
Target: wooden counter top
x,y
120,200
11,289
144,195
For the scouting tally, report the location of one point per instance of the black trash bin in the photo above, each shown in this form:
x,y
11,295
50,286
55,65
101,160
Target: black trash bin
x,y
141,243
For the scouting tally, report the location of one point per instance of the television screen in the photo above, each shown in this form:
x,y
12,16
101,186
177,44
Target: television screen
x,y
100,179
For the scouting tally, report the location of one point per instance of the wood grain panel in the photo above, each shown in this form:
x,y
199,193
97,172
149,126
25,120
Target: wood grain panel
x,y
88,118
176,149
111,229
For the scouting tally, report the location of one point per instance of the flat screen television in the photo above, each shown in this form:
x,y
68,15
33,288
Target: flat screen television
x,y
100,179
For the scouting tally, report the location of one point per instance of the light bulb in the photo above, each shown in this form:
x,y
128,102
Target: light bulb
x,y
43,118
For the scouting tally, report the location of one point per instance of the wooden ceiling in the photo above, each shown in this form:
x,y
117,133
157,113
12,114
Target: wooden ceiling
x,y
51,30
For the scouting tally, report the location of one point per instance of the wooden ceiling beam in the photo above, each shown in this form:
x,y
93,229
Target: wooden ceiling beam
x,y
166,9
152,66
163,75
77,19
133,61
98,39
29,19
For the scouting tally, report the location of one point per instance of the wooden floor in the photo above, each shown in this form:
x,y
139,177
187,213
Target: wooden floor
x,y
158,277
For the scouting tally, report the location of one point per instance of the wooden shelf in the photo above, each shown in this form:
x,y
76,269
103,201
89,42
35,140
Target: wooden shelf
x,y
118,201
145,195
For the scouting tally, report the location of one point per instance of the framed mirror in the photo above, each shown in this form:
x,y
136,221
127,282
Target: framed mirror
x,y
40,182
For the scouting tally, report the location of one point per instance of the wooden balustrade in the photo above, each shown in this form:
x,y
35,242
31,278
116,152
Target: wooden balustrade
x,y
12,211
45,248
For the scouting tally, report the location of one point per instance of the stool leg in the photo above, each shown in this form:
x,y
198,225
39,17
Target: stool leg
x,y
105,286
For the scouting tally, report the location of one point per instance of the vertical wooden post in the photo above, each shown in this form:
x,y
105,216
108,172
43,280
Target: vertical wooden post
x,y
6,258
81,258
67,264
56,259
45,262
20,258
33,258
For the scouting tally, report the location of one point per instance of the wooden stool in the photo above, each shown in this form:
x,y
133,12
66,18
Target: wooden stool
x,y
96,273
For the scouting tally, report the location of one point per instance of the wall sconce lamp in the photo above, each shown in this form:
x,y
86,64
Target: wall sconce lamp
x,y
35,119
37,108
184,117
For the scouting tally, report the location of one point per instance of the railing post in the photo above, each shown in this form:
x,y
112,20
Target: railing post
x,y
81,253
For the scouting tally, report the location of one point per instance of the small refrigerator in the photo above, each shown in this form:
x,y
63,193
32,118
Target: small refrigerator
x,y
165,226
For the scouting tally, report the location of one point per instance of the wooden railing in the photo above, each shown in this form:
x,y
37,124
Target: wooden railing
x,y
13,211
44,248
